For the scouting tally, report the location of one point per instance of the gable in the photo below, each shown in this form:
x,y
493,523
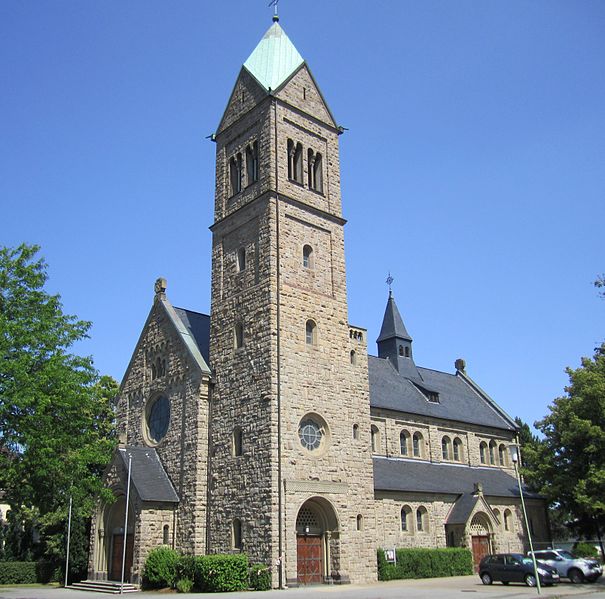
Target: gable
x,y
302,92
247,93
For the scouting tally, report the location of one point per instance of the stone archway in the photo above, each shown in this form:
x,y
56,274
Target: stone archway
x,y
481,534
110,540
317,542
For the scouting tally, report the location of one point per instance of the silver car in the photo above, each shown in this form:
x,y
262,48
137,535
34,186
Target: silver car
x,y
577,569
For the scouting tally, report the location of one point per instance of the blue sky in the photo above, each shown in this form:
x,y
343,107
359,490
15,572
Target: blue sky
x,y
472,168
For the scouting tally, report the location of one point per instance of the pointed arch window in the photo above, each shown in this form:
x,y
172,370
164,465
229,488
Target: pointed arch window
x,y
404,443
235,173
446,448
417,445
457,450
483,452
401,350
422,519
406,516
502,454
237,447
252,163
238,335
492,453
241,259
236,534
166,534
353,357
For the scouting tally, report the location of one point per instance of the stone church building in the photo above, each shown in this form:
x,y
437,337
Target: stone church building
x,y
266,427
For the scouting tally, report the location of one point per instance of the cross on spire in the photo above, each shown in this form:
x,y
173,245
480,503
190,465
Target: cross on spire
x,y
274,4
389,282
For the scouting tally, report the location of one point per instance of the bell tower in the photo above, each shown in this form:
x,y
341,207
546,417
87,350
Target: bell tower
x,y
291,480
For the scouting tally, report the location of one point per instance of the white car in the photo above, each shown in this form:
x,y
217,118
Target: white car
x,y
577,569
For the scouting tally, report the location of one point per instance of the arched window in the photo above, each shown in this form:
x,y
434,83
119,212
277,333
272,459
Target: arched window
x,y
166,534
238,335
237,445
401,350
406,515
458,457
404,443
315,171
353,357
497,515
422,520
235,174
252,163
295,161
502,454
508,521
446,448
407,352
236,534
307,256
241,259
375,439
311,333
359,522
356,432
417,445
483,452
492,452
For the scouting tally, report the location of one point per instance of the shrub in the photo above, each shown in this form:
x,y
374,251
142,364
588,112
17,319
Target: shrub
x,y
184,585
185,568
160,567
220,573
583,549
260,577
426,563
18,573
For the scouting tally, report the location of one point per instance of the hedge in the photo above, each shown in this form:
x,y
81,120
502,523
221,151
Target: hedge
x,y
426,563
219,573
18,573
160,568
260,577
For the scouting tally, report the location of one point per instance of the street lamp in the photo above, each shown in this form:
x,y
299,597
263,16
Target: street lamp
x,y
514,454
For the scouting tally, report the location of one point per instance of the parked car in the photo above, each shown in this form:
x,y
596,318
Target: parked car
x,y
515,567
577,569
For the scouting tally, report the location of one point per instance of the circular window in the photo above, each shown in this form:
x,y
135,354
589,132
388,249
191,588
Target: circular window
x,y
158,419
313,432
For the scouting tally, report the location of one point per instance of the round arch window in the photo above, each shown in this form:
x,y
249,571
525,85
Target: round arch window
x,y
158,419
313,433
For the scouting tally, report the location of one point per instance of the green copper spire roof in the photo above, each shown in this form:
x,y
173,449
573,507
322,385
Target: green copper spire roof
x,y
274,59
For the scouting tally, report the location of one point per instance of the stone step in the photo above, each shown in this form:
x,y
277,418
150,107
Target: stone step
x,y
103,586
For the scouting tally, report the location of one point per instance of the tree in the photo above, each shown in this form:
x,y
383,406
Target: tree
x,y
569,466
56,418
600,284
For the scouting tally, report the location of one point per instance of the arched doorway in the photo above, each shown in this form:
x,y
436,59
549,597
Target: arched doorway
x,y
114,527
480,529
317,542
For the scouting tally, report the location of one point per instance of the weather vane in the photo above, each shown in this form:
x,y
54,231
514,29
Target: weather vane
x,y
389,281
275,4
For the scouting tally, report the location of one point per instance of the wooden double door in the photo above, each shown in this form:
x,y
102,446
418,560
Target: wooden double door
x,y
310,559
117,552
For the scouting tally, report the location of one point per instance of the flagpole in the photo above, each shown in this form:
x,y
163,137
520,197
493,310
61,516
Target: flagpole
x,y
125,538
68,539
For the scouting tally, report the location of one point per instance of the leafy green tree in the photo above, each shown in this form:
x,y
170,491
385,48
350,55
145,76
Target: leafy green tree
x,y
569,466
600,284
56,417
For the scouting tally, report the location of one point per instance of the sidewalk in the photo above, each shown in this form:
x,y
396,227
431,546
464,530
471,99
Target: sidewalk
x,y
430,588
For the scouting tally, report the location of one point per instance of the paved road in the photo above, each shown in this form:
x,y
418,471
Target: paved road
x,y
460,587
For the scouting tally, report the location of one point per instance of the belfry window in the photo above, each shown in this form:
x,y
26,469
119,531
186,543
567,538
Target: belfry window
x,y
235,174
252,163
315,171
295,161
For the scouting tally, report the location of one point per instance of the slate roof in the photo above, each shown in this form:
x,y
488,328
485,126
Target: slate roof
x,y
392,323
458,399
148,475
274,59
198,326
462,509
418,476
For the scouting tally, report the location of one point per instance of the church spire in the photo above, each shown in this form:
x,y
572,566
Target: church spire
x,y
394,341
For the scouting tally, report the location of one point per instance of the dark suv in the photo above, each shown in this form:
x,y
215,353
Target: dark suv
x,y
515,567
